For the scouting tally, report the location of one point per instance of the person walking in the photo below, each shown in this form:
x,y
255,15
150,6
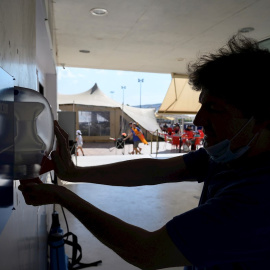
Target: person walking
x,y
79,140
135,139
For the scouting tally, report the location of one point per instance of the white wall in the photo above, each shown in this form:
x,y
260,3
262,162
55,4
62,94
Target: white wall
x,y
45,54
23,240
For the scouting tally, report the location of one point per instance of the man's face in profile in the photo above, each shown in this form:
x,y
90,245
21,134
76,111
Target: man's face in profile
x,y
219,119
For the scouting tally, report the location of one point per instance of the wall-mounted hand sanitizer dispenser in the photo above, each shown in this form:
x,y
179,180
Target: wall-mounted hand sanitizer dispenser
x,y
27,133
33,132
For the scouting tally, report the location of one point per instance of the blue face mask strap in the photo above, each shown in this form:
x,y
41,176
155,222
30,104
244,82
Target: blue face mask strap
x,y
253,138
244,133
221,152
242,128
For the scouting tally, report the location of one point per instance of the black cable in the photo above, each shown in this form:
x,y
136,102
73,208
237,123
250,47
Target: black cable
x,y
61,208
76,247
65,218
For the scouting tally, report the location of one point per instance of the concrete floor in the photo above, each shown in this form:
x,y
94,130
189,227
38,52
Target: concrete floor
x,y
149,207
108,148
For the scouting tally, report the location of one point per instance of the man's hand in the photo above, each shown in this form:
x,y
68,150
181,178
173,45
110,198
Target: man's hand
x,y
36,193
31,181
64,167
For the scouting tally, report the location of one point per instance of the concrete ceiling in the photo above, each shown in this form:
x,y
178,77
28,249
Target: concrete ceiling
x,y
151,35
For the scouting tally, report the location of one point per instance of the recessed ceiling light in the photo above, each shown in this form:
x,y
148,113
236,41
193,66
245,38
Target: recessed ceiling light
x,y
180,59
265,44
246,30
84,51
99,11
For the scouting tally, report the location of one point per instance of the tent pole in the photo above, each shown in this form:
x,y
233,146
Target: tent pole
x,y
122,122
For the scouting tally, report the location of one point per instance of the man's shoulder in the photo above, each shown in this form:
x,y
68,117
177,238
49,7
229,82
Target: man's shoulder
x,y
199,154
256,162
197,163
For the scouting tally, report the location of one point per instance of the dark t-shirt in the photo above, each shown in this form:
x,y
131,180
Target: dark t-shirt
x,y
230,229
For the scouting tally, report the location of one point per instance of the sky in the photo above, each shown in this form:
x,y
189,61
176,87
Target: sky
x,y
118,85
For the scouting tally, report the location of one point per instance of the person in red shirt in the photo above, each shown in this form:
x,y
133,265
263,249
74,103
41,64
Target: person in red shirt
x,y
189,132
176,128
188,139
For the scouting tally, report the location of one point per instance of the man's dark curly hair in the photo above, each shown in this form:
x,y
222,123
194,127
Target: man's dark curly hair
x,y
238,73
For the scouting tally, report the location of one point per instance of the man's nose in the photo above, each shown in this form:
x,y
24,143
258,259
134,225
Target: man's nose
x,y
200,118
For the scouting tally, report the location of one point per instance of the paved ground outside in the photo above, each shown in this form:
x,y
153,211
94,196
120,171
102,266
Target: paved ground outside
x,y
149,207
109,148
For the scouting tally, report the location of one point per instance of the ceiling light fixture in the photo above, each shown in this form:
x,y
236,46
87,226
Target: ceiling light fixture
x,y
99,11
246,30
84,51
180,59
265,44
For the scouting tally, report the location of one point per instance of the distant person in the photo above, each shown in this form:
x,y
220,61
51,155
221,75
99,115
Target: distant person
x,y
131,134
169,130
197,139
165,127
190,137
140,134
137,138
201,135
79,140
176,129
137,135
189,131
128,138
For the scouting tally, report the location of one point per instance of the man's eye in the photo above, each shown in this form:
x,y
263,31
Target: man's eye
x,y
215,109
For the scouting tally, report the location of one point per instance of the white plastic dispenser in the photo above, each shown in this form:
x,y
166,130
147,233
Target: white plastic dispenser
x,y
29,134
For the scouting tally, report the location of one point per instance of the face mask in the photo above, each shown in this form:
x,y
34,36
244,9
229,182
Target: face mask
x,y
221,152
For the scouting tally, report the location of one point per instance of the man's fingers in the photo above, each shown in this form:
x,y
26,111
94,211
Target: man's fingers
x,y
27,187
28,191
62,145
62,156
60,167
33,194
57,160
58,129
60,136
56,124
29,181
39,194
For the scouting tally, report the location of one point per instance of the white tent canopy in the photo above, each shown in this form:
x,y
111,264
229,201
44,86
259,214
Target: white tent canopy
x,y
180,98
95,97
145,117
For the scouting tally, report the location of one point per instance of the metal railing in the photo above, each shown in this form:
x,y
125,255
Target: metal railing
x,y
157,141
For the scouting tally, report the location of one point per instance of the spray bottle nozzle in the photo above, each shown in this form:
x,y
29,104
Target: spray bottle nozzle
x,y
55,220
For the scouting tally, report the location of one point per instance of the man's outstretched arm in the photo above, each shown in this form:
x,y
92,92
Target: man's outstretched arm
x,y
128,173
144,249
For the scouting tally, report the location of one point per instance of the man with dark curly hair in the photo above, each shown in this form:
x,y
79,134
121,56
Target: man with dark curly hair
x,y
230,228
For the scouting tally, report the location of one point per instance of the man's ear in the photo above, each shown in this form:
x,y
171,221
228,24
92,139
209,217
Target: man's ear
x,y
261,124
